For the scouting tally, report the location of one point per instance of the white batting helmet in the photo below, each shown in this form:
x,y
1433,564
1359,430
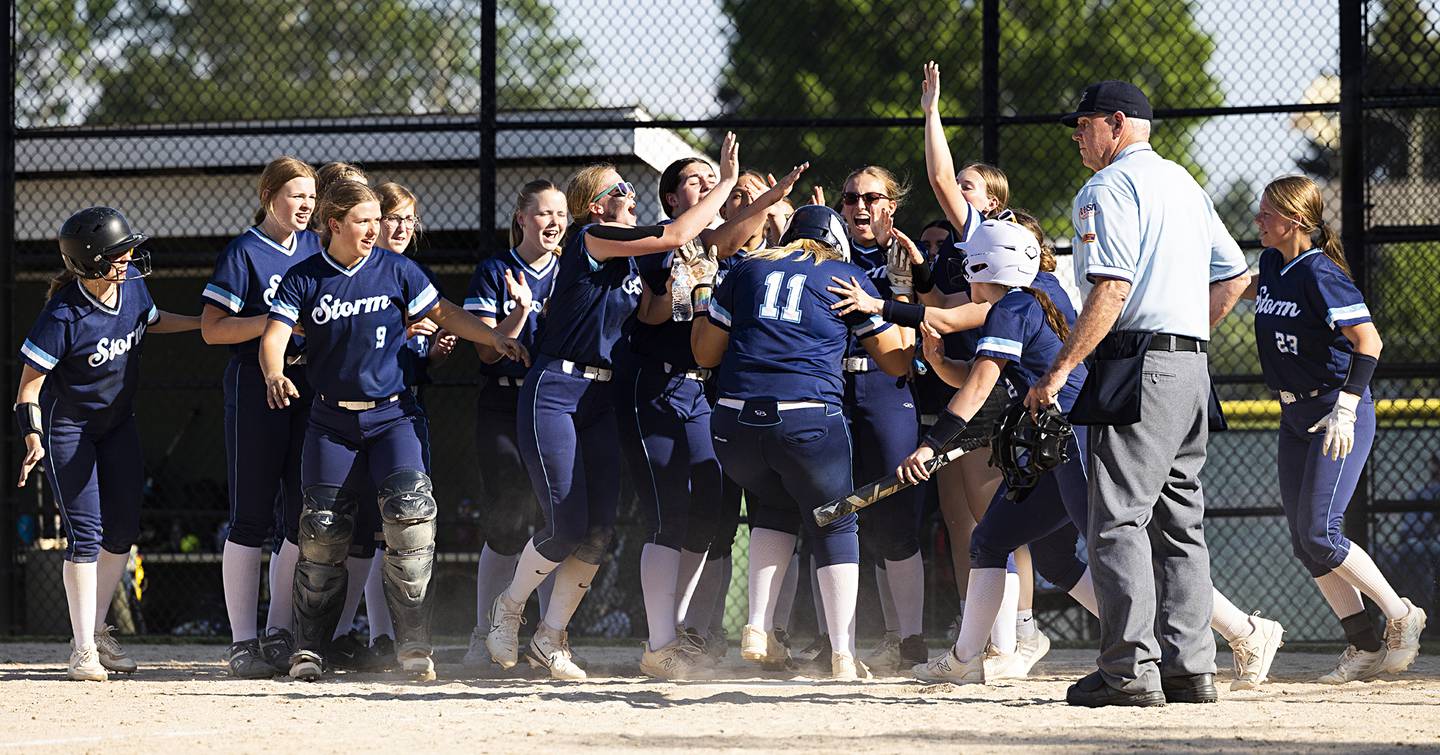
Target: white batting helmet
x,y
1003,253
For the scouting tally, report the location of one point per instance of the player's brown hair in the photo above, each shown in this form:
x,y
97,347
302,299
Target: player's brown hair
x,y
894,187
338,200
1047,250
527,198
277,173
670,181
393,196
997,185
1299,199
58,282
579,190
1053,318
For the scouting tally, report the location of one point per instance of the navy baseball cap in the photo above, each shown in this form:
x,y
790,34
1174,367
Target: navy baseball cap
x,y
1111,97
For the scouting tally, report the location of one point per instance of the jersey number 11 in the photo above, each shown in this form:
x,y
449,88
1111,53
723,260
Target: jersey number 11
x,y
794,287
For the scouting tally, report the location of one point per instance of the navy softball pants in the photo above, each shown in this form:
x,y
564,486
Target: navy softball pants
x,y
1314,490
886,429
508,509
262,450
97,473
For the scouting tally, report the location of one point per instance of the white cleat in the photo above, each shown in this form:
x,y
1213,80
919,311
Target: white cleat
x,y
503,640
1032,649
548,652
754,643
1356,665
477,655
114,658
1000,665
844,667
1255,652
885,657
85,666
418,667
1402,639
678,661
947,667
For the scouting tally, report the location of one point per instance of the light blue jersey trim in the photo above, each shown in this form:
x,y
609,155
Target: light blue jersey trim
x,y
1348,315
718,314
284,312
39,359
230,302
423,302
1000,345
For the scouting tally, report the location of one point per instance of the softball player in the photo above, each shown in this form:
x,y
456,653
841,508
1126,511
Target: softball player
x,y
1318,351
568,435
262,447
75,411
365,433
779,428
508,292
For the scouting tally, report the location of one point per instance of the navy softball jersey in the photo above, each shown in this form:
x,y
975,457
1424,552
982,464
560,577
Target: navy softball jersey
x,y
1299,310
792,342
355,320
589,307
1015,330
248,273
486,296
669,341
90,354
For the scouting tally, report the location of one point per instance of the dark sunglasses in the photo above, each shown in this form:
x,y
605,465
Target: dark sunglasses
x,y
851,198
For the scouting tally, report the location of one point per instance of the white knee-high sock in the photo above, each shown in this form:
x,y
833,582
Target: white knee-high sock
x,y
282,587
80,594
532,569
702,603
1002,632
240,575
543,592
659,568
492,575
1084,593
722,597
822,626
1229,621
785,601
377,611
769,556
572,581
1359,570
983,597
839,586
1342,596
692,564
907,590
357,573
108,571
887,602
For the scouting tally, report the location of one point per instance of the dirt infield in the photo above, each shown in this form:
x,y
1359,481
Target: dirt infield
x,y
181,701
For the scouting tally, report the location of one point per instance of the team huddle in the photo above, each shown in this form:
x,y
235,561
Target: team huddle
x,y
743,348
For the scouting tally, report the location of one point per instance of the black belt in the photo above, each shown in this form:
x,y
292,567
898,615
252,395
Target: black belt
x,y
1171,342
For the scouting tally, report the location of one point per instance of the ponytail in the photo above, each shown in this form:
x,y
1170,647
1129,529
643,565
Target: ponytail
x,y
1298,198
58,282
1053,318
1324,237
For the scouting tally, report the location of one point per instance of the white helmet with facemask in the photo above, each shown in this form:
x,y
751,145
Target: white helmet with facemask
x,y
1003,253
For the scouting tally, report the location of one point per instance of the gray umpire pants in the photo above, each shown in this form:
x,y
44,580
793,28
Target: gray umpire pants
x,y
1146,538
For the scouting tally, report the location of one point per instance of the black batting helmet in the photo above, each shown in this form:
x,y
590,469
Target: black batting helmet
x,y
1026,447
820,223
93,237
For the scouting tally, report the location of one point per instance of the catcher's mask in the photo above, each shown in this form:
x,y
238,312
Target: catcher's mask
x,y
1026,447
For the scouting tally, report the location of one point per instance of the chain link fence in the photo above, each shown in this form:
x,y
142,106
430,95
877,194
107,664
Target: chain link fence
x,y
168,110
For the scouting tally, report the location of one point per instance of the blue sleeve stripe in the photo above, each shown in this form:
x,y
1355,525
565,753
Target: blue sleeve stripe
x,y
1000,346
422,303
37,356
1351,314
719,315
224,298
478,304
279,310
153,316
870,327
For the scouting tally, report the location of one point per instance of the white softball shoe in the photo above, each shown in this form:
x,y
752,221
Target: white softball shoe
x,y
114,658
85,666
418,667
1031,649
476,655
844,667
754,643
547,651
503,639
885,657
948,667
1402,639
1000,665
678,661
1356,665
1254,653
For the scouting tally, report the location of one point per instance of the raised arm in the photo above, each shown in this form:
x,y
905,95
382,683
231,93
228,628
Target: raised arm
x,y
939,166
750,220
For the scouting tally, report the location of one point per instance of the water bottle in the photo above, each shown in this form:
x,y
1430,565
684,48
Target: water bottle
x,y
681,308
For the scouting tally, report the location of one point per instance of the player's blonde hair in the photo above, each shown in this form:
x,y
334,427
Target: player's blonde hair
x,y
277,173
1298,198
997,185
580,189
894,187
815,251
337,202
529,194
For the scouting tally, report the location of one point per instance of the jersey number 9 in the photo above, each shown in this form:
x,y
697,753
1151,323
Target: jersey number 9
x,y
380,337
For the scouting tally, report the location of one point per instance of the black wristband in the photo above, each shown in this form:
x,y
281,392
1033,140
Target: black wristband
x,y
27,419
1362,369
944,432
922,278
902,313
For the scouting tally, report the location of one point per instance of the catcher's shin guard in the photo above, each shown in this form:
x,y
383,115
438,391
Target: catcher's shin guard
x,y
327,523
407,509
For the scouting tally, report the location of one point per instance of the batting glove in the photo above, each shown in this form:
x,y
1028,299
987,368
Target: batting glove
x,y
897,269
1339,427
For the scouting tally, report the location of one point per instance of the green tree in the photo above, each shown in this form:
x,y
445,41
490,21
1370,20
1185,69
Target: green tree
x,y
862,58
161,61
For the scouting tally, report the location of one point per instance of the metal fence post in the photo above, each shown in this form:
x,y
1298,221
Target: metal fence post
x,y
990,81
1352,197
10,585
488,46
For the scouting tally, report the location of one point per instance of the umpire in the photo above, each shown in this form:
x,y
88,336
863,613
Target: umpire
x,y
1148,241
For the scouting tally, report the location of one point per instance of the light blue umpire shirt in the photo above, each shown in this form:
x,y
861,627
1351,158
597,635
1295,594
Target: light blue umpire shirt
x,y
1145,220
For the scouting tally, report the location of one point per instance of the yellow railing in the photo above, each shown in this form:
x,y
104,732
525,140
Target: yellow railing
x,y
1402,412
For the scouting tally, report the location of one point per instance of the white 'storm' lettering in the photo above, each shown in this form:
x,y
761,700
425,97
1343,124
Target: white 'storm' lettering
x,y
329,308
